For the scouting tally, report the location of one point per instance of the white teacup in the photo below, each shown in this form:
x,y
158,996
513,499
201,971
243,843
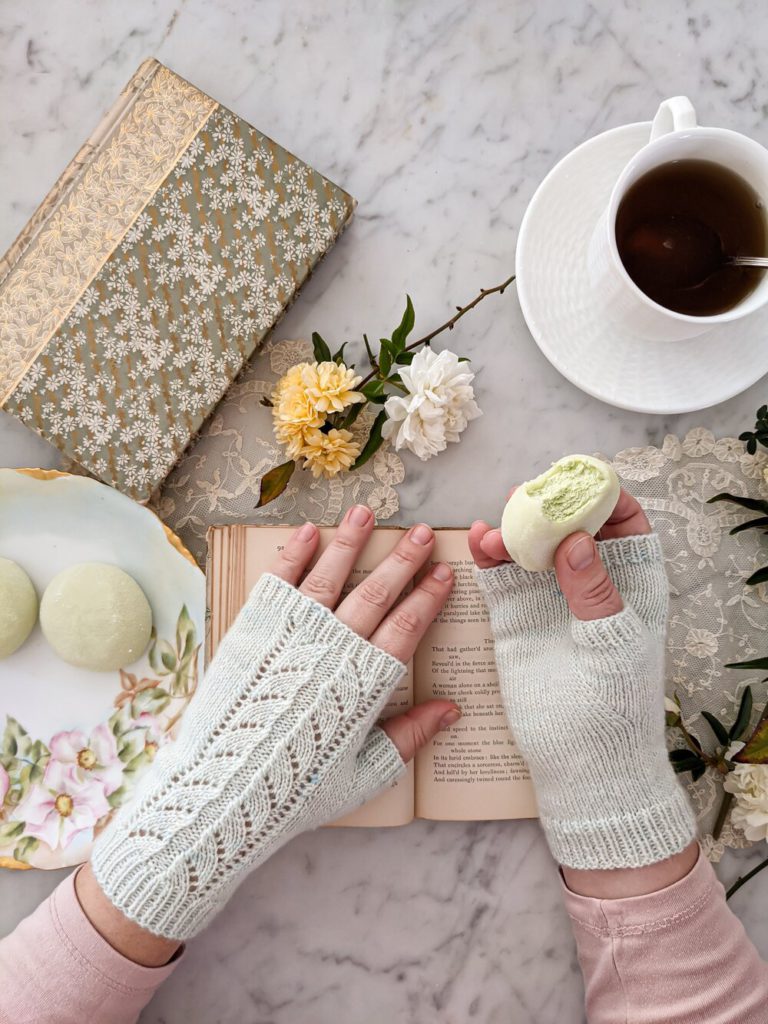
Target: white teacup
x,y
674,136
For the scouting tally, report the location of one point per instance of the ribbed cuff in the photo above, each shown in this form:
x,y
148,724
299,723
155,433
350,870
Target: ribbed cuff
x,y
645,836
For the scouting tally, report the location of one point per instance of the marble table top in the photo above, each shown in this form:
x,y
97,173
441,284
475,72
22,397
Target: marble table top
x,y
441,118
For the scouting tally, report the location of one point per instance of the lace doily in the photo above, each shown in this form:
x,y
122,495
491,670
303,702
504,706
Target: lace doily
x,y
714,617
218,479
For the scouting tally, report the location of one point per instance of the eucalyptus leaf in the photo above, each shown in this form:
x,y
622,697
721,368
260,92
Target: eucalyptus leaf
x,y
321,351
743,715
717,727
274,482
374,441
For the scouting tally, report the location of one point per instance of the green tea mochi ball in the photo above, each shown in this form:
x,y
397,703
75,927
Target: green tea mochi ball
x,y
576,493
18,607
96,616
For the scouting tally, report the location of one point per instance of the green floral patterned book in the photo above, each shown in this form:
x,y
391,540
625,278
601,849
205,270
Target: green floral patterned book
x,y
162,257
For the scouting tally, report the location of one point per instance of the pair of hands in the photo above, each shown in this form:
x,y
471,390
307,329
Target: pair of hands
x,y
397,628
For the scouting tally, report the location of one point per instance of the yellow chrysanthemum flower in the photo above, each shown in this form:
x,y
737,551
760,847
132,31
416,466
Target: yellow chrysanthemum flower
x,y
292,435
331,386
329,454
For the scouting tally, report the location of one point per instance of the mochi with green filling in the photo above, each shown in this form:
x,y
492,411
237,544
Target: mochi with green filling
x,y
577,493
18,607
96,616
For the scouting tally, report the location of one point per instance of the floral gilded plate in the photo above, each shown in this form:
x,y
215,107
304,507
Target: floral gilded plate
x,y
73,742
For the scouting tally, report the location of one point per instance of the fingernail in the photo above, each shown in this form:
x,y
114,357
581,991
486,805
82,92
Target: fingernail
x,y
359,515
441,572
450,718
421,534
307,532
582,554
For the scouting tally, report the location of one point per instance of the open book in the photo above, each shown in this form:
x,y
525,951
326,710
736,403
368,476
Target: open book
x,y
471,772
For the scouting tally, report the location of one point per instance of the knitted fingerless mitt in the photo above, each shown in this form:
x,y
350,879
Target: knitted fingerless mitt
x,y
278,740
585,703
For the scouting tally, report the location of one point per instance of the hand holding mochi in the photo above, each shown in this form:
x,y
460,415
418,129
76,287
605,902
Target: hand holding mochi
x,y
18,607
96,616
577,493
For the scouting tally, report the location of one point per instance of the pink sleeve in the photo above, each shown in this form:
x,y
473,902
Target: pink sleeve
x,y
678,956
55,968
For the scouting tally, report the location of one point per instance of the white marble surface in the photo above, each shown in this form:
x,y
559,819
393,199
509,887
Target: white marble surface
x,y
441,118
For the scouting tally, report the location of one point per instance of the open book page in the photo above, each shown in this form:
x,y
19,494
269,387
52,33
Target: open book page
x,y
243,553
473,771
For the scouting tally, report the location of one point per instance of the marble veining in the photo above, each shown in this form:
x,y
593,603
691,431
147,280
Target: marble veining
x,y
441,118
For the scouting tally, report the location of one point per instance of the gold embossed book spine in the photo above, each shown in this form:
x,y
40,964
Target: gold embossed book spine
x,y
157,264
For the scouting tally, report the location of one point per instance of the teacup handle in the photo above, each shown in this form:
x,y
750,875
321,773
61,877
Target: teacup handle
x,y
674,115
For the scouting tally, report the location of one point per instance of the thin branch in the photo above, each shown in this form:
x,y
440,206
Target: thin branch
x,y
742,880
722,814
447,326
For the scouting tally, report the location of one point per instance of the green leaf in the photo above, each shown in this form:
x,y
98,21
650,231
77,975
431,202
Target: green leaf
x,y
404,358
118,797
717,727
9,830
153,701
338,357
267,402
743,715
185,629
321,351
369,350
154,654
753,504
696,773
274,483
354,412
25,847
373,389
753,524
386,357
15,738
688,762
749,665
405,327
761,576
374,441
755,750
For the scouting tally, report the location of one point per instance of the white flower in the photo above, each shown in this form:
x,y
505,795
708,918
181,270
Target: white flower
x,y
749,785
701,643
439,404
639,463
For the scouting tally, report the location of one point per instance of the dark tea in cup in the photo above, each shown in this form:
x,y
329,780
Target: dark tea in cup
x,y
678,225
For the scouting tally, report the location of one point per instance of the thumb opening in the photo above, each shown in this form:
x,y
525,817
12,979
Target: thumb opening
x,y
584,580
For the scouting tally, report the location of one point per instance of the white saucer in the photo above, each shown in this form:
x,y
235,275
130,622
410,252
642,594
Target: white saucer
x,y
565,317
